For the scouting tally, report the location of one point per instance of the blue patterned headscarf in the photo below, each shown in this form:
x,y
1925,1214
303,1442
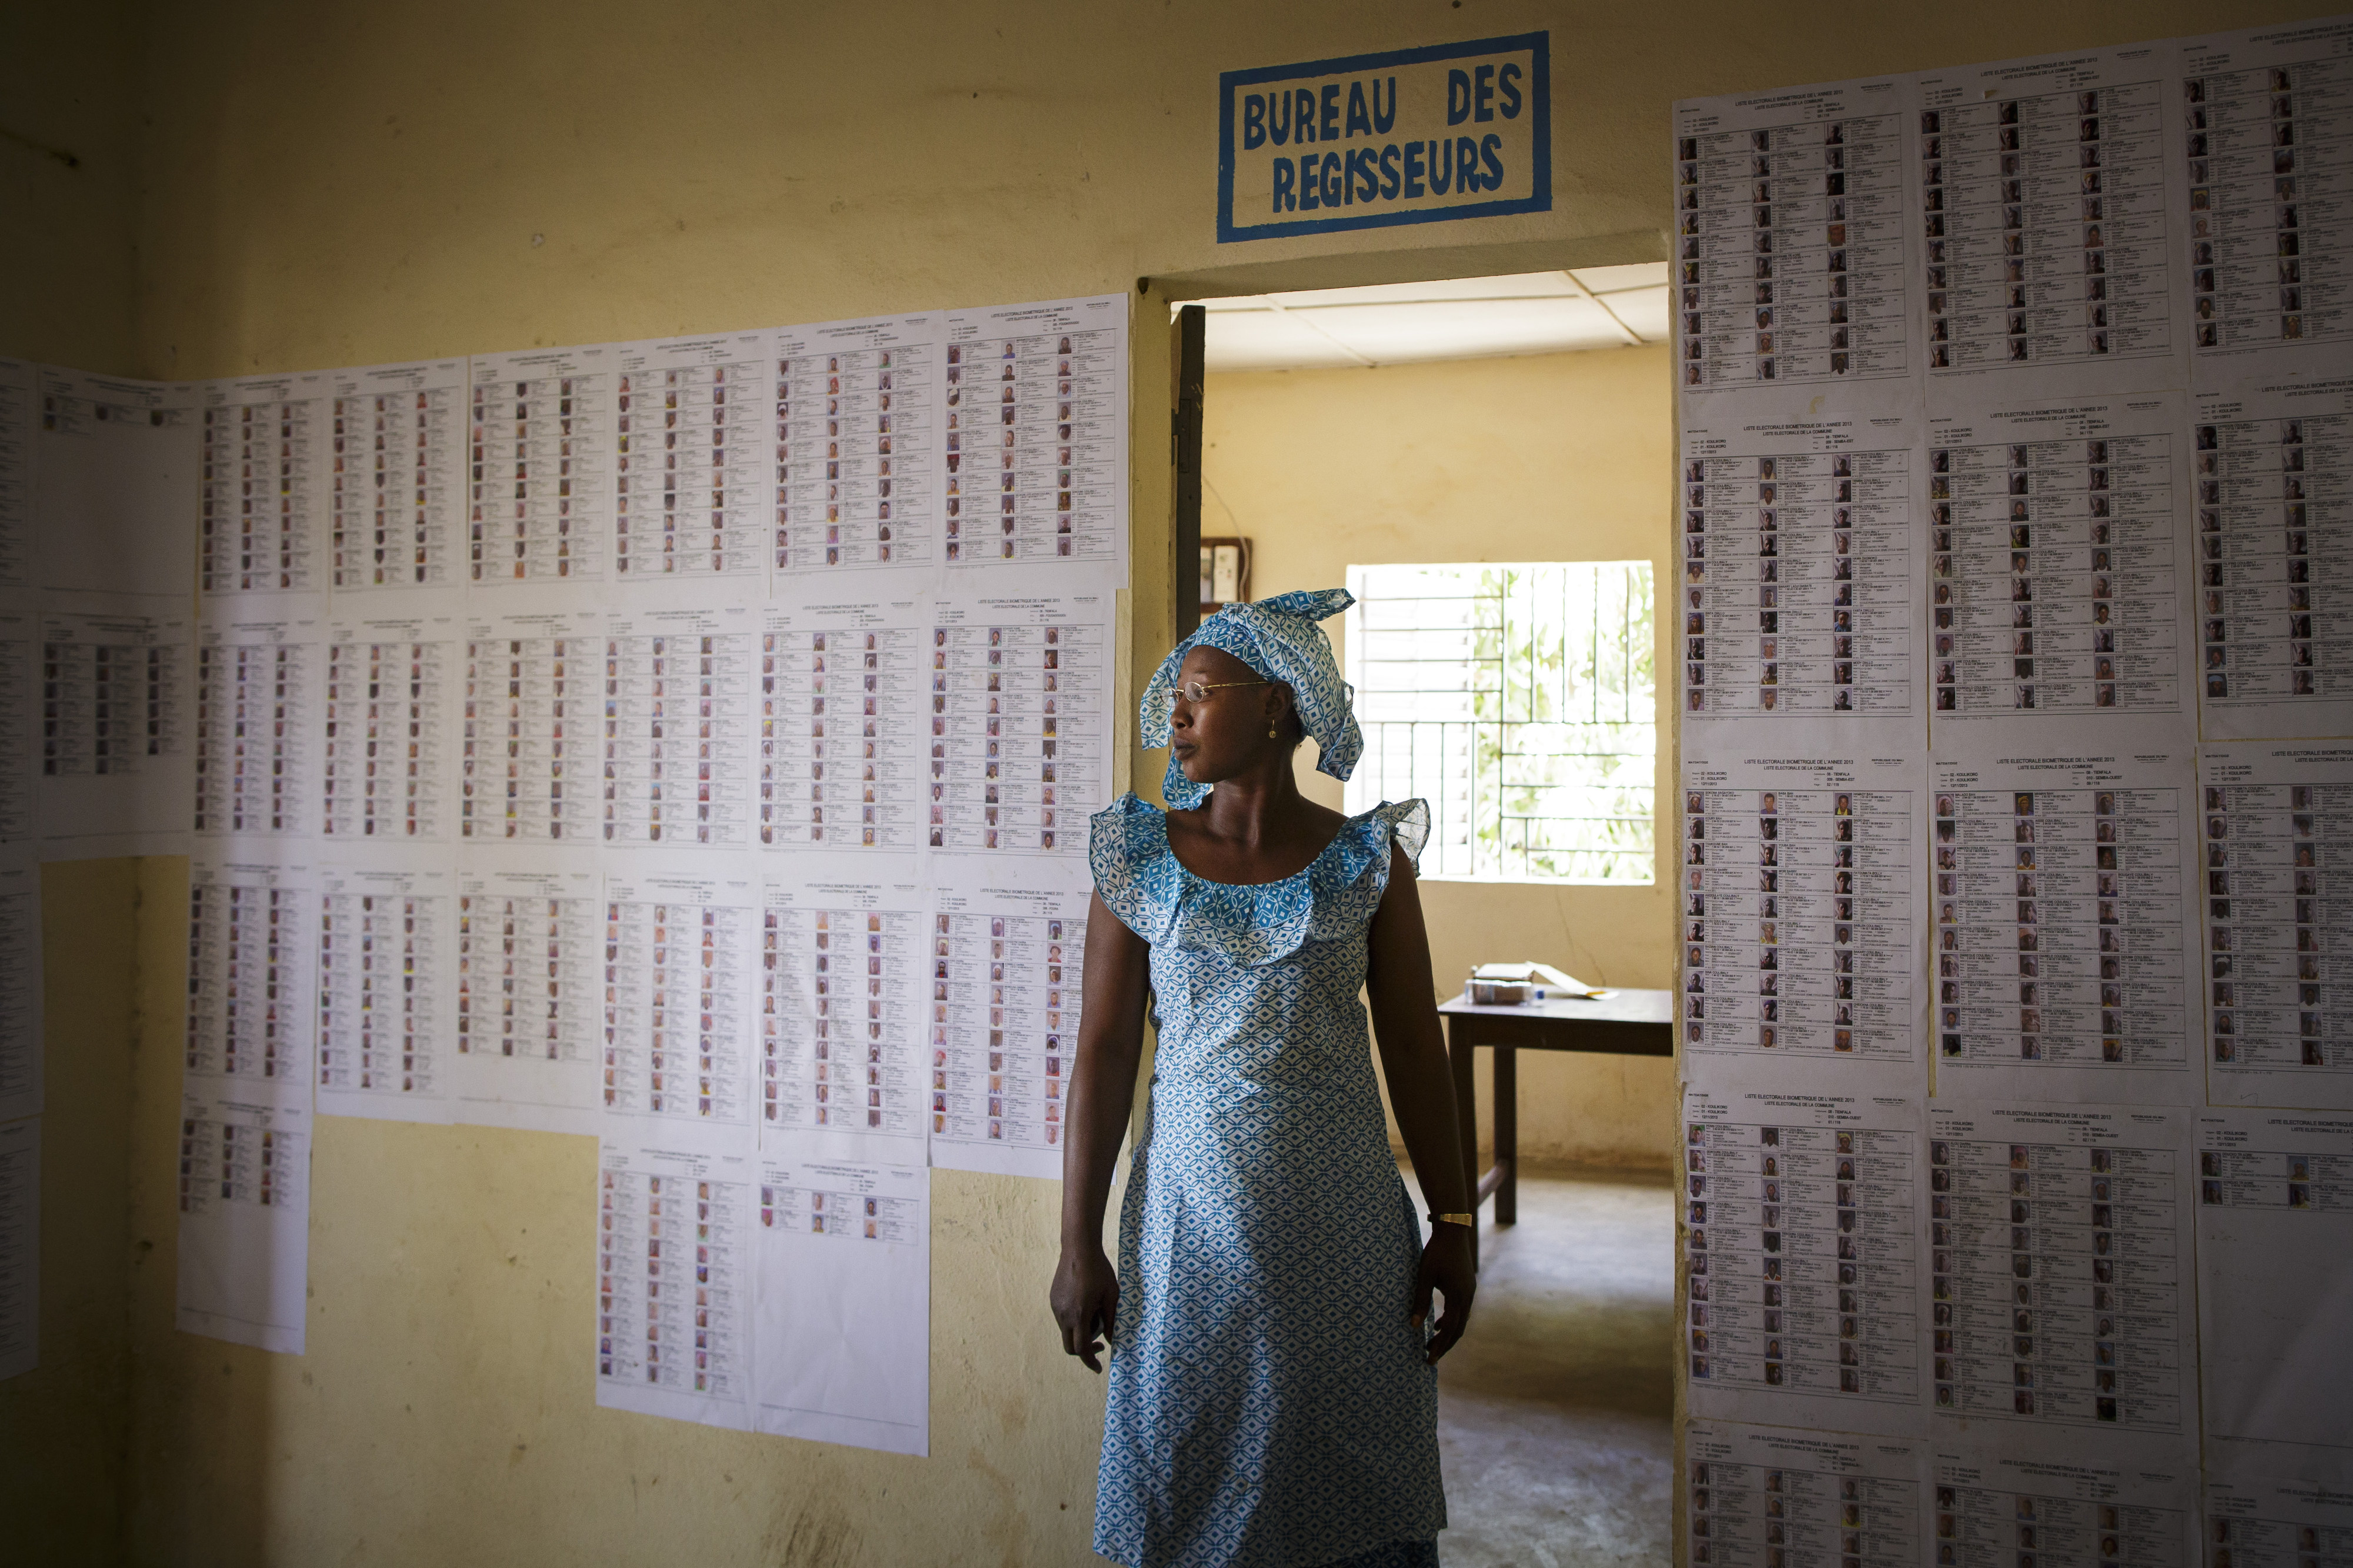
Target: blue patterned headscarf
x,y
1278,638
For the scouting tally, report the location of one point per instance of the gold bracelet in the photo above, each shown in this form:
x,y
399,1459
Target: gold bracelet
x,y
1470,1219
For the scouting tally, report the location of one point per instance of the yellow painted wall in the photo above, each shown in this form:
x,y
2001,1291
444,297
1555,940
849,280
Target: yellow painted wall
x,y
1551,457
290,187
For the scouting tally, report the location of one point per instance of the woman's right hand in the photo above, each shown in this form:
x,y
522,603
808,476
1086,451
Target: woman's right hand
x,y
1086,1301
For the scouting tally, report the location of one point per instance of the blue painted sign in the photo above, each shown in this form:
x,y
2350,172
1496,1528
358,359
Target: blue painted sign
x,y
1426,135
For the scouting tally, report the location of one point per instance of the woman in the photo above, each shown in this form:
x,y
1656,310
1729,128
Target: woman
x,y
1272,1400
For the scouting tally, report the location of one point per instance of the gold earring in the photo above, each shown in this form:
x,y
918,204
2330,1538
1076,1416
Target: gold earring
x,y
1273,732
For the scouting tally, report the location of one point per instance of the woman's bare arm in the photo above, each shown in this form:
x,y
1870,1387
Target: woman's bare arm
x,y
1422,1093
1085,1293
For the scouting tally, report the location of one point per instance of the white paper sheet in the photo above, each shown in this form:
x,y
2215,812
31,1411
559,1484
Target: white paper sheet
x,y
266,458
245,1217
531,937
2059,571
1792,243
844,1304
1802,562
259,682
1021,754
115,471
1007,970
20,1246
680,989
690,455
2272,1506
2061,1259
399,497
676,744
2052,208
860,415
1805,914
2272,468
23,1046
1760,1495
388,969
252,949
389,749
19,402
842,703
1036,425
529,729
2277,824
2266,118
117,725
540,466
2037,1497
1802,1246
20,710
675,1275
2276,1275
2064,925
842,962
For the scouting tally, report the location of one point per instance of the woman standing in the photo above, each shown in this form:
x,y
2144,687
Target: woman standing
x,y
1273,1399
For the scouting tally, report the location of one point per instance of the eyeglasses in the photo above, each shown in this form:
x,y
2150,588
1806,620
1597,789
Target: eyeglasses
x,y
1199,691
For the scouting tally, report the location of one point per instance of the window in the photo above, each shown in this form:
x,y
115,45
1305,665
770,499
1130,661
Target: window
x,y
1518,700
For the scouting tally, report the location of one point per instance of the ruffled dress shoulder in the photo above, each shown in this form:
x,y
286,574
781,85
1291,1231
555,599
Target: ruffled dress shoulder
x,y
1141,880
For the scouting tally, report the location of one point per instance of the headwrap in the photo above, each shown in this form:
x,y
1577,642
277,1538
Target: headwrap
x,y
1278,638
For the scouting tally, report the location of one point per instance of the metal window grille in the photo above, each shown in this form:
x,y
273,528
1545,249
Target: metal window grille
x,y
1518,700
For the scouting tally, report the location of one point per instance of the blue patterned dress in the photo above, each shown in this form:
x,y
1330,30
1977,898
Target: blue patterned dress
x,y
1269,1404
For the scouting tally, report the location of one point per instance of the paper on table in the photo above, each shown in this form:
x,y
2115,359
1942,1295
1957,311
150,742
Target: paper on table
x,y
2060,570
387,968
690,462
1804,913
2060,1242
2266,118
20,1246
675,1283
843,698
540,499
1036,424
266,467
19,400
677,691
2277,825
252,946
259,692
2273,471
2053,210
389,752
1822,1499
245,1217
2276,1275
844,1303
1803,1237
1007,968
117,725
2269,1505
860,416
529,1019
2064,925
2066,1498
396,508
21,1045
1020,729
680,988
115,471
1802,568
843,958
1793,248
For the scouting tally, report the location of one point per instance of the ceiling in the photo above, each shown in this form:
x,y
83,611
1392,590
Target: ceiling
x,y
1466,318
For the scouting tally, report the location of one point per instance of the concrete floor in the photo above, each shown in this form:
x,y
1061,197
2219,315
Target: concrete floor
x,y
1554,1415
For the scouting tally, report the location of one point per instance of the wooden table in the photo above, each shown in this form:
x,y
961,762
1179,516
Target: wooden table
x,y
1627,1023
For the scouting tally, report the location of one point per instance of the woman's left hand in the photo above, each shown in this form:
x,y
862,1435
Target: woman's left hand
x,y
1447,1267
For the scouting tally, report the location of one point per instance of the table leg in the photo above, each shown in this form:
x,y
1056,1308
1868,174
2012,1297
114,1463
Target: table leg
x,y
1508,1134
1460,1054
